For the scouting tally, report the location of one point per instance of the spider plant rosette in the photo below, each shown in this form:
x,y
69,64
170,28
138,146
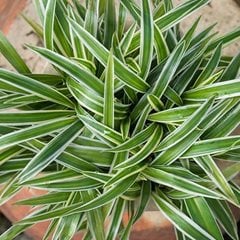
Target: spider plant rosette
x,y
132,114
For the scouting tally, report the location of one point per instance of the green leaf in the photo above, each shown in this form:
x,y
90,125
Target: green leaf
x,y
32,132
221,90
74,70
109,22
9,52
102,130
146,150
225,39
34,87
34,25
173,180
210,67
177,14
108,110
225,124
128,38
147,39
212,146
202,215
94,217
232,69
181,221
101,53
51,151
136,140
163,80
214,173
160,44
116,218
94,103
45,199
21,118
122,13
173,115
187,127
49,24
224,216
123,174
99,201
172,95
155,103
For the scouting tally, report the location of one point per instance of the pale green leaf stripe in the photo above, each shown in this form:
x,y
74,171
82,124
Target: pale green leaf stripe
x,y
100,177
212,146
128,38
147,38
34,25
146,190
32,132
187,127
226,123
109,22
91,17
93,102
52,177
178,114
35,87
130,7
51,151
49,198
160,44
163,80
180,220
220,90
116,219
108,109
66,159
208,164
80,183
177,151
9,52
171,18
232,69
74,70
31,117
178,14
203,216
178,182
210,67
225,39
95,217
155,102
99,201
136,140
224,216
124,173
101,129
168,71
148,148
101,53
49,24
173,96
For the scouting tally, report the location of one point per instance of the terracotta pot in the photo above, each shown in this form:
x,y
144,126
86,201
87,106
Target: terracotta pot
x,y
9,9
152,225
